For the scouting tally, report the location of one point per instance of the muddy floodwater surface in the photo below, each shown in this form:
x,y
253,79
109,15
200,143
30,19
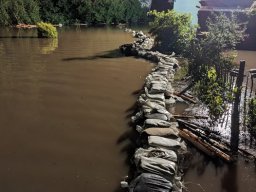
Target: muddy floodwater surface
x,y
63,108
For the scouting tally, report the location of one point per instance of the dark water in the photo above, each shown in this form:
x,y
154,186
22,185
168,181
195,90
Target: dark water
x,y
63,107
205,175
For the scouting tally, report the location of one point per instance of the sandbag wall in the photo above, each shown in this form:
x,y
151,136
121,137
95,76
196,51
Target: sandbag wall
x,y
161,155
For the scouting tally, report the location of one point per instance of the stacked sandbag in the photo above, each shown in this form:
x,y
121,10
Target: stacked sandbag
x,y
158,159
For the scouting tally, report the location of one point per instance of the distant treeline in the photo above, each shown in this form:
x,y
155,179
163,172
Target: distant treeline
x,y
71,11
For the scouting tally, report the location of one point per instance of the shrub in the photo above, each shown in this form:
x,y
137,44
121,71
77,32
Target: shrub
x,y
173,31
211,54
211,50
46,30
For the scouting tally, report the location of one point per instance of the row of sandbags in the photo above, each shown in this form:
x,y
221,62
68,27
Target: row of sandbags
x,y
157,160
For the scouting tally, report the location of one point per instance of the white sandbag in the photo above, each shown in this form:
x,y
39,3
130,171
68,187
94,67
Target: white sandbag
x,y
156,141
158,152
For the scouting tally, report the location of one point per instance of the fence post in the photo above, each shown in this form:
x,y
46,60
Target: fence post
x,y
235,118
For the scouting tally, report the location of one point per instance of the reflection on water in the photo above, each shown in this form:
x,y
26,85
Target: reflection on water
x,y
1,48
49,45
208,176
63,113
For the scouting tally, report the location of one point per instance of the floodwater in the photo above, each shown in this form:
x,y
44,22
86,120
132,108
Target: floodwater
x,y
206,175
63,110
249,57
64,107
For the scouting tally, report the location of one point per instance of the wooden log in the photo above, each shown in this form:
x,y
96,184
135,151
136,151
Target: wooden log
x,y
187,88
204,146
25,26
185,98
193,140
190,116
210,148
191,125
252,70
209,138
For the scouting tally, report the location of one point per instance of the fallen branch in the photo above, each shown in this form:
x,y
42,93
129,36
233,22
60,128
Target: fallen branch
x,y
187,88
190,116
186,98
204,146
211,137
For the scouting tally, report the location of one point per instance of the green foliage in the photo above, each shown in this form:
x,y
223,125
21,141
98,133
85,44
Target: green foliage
x,y
71,11
213,93
211,57
46,30
210,50
90,11
209,54
173,31
19,11
252,116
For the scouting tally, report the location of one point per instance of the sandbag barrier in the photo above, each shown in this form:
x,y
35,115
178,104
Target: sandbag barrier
x,y
160,159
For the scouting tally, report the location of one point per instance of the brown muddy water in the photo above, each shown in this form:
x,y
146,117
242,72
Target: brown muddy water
x,y
63,108
249,57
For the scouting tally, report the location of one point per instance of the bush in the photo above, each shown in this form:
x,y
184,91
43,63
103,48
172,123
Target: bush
x,y
213,48
173,31
212,54
46,30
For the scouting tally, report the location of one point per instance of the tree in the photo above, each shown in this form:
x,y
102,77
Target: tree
x,y
19,11
71,11
211,49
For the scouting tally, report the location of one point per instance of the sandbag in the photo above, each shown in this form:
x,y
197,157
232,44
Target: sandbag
x,y
159,96
156,123
157,116
156,141
159,166
155,152
142,101
147,182
157,88
162,132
